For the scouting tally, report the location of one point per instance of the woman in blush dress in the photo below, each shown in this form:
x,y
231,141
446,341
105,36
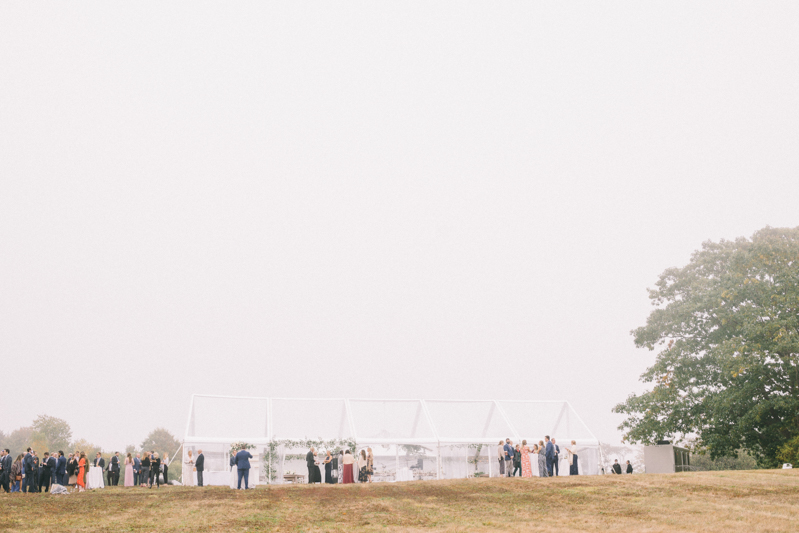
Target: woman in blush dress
x,y
527,471
81,472
129,471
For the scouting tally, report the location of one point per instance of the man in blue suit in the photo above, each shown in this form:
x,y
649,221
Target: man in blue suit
x,y
550,455
136,469
242,461
61,469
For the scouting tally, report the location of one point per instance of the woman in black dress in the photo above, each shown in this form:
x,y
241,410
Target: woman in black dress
x,y
315,472
328,467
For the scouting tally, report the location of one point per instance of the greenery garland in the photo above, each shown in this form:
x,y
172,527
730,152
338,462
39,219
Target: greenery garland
x,y
271,457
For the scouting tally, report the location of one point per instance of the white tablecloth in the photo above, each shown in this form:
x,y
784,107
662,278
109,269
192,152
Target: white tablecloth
x,y
95,478
405,474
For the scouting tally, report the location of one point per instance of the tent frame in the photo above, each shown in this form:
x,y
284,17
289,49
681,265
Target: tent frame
x,y
436,438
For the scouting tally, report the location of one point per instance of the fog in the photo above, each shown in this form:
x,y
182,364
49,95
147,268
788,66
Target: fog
x,y
374,200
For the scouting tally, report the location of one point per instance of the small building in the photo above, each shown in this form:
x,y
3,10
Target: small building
x,y
666,458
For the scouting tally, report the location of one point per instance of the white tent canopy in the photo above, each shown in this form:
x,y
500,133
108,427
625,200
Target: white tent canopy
x,y
447,429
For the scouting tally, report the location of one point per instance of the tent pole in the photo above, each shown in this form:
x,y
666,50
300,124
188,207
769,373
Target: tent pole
x,y
438,461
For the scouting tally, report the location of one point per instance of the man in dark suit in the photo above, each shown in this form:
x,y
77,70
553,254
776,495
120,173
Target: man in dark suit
x,y
114,469
136,469
61,469
243,465
5,469
629,468
616,467
550,455
27,468
46,476
555,456
309,460
199,464
99,461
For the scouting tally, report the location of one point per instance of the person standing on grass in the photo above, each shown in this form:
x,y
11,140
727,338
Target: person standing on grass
x,y
555,457
309,462
144,475
243,466
5,469
572,455
370,464
542,459
165,468
629,468
136,469
155,467
524,457
346,467
550,455
509,453
16,474
61,469
517,460
72,465
48,466
130,477
199,464
81,481
27,470
616,467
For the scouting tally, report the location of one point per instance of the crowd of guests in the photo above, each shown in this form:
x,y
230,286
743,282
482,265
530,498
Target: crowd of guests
x,y
29,473
544,457
340,468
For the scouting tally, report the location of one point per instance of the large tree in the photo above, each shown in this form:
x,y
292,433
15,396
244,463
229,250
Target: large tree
x,y
727,326
54,433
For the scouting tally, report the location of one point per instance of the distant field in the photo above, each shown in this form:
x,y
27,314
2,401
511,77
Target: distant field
x,y
724,502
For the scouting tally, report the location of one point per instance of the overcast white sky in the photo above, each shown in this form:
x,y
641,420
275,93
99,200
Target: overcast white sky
x,y
368,199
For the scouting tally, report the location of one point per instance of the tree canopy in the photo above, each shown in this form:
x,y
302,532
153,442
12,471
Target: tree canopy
x,y
161,441
54,433
727,326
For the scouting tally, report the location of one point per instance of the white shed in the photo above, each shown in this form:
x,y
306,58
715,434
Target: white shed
x,y
666,459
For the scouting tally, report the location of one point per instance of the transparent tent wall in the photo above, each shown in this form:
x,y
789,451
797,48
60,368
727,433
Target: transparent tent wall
x,y
461,461
403,462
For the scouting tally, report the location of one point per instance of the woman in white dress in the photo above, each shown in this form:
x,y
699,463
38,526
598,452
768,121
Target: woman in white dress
x,y
234,471
188,471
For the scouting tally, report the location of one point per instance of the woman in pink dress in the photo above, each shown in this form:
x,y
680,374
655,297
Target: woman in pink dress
x,y
129,471
526,470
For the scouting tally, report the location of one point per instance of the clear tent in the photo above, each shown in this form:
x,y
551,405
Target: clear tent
x,y
410,439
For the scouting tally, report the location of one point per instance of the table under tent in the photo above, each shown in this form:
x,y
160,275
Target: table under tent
x,y
410,439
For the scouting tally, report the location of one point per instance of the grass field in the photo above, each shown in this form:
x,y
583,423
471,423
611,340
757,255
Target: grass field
x,y
724,502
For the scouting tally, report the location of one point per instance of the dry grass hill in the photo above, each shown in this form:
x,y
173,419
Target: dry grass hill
x,y
717,502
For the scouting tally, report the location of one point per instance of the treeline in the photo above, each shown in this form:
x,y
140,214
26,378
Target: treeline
x,y
51,434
